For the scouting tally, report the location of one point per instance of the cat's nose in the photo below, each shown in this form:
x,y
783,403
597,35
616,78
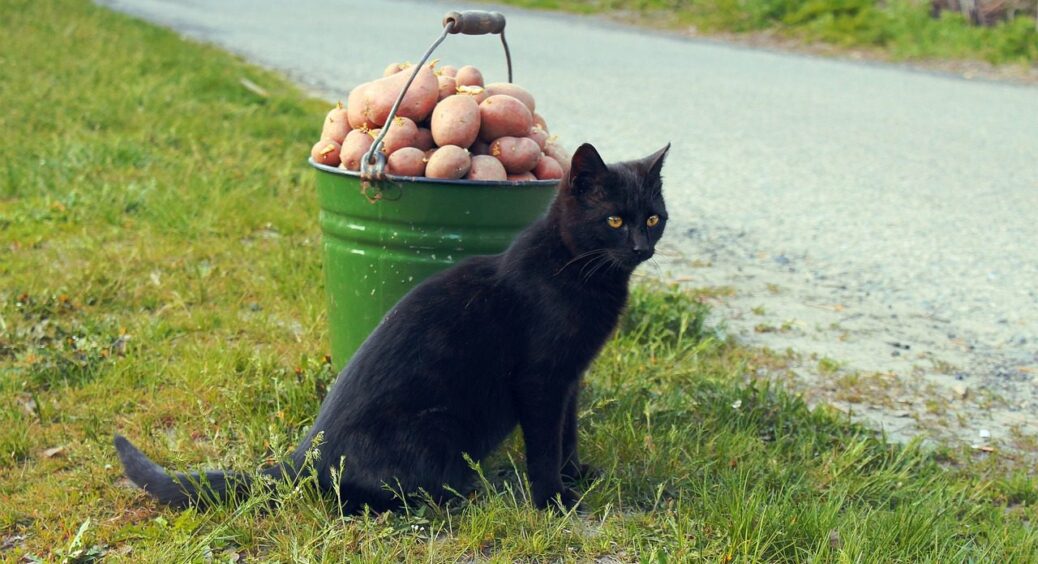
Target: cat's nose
x,y
640,247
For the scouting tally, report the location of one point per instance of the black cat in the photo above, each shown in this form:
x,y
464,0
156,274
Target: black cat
x,y
469,353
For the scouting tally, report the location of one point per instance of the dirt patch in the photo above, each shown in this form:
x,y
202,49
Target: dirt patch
x,y
887,365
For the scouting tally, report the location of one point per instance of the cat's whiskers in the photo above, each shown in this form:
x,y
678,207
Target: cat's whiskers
x,y
601,260
578,257
659,269
593,262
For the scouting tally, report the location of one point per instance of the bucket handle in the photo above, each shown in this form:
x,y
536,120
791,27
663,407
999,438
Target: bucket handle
x,y
467,22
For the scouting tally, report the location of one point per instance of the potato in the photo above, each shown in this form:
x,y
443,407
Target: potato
x,y
354,147
369,103
408,161
502,116
424,139
521,177
455,121
355,105
518,154
513,90
326,152
450,162
448,70
395,68
547,169
538,119
336,124
402,133
448,87
555,151
477,92
538,135
485,167
480,148
469,75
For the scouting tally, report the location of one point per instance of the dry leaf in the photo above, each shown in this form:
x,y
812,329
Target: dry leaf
x,y
28,403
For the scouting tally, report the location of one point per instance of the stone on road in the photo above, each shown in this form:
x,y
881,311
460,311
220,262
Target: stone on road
x,y
878,216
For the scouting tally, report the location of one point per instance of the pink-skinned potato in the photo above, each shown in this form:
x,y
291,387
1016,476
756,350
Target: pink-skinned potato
x,y
401,133
513,90
449,70
449,162
521,177
469,75
354,104
336,124
538,119
447,86
547,169
517,154
503,116
354,148
424,139
369,103
477,92
395,68
538,135
485,167
455,121
408,161
326,152
561,156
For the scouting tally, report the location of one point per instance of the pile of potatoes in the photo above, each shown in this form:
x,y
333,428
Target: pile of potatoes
x,y
449,125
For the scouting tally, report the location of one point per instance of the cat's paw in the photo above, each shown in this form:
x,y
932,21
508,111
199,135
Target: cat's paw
x,y
564,499
576,473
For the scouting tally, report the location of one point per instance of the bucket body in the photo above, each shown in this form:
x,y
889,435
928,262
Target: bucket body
x,y
376,251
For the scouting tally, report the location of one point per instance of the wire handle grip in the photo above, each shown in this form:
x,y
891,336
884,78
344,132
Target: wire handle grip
x,y
474,22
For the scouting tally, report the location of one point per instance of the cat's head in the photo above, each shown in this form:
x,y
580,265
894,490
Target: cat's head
x,y
614,210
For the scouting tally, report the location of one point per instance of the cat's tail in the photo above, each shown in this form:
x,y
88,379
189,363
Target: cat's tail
x,y
180,489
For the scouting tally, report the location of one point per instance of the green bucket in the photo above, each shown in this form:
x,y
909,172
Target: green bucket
x,y
382,241
385,234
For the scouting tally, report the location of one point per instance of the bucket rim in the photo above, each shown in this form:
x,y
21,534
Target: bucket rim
x,y
427,180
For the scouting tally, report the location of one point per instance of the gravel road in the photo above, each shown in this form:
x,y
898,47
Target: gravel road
x,y
874,215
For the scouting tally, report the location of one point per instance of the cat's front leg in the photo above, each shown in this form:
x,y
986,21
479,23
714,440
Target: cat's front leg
x,y
542,408
572,469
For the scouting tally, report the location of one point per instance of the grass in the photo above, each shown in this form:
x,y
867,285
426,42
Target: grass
x,y
900,29
160,276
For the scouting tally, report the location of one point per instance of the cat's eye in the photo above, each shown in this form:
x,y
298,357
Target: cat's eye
x,y
652,221
615,222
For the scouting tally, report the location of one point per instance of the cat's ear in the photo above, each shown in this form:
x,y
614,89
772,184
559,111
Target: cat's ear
x,y
587,171
654,162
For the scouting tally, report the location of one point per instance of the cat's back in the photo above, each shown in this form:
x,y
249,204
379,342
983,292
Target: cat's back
x,y
437,365
455,325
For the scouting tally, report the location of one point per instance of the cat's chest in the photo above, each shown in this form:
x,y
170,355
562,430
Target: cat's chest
x,y
576,326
